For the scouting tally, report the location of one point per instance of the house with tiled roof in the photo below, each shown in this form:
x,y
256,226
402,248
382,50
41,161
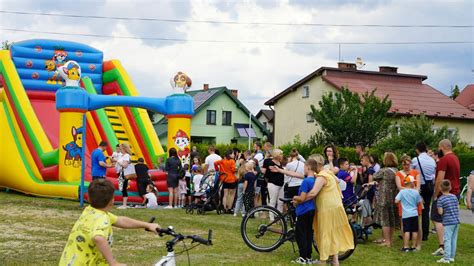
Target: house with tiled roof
x,y
219,118
266,118
408,93
466,97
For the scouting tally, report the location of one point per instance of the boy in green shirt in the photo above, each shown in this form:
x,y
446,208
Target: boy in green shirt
x,y
90,240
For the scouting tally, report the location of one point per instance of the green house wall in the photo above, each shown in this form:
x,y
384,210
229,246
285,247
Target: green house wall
x,y
218,133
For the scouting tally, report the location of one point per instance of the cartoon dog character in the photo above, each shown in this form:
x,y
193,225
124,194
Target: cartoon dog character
x,y
73,149
50,66
181,140
71,73
179,82
59,59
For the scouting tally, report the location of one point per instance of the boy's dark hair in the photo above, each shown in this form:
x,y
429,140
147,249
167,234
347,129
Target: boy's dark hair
x,y
118,145
101,192
421,147
103,144
445,185
186,167
140,160
342,161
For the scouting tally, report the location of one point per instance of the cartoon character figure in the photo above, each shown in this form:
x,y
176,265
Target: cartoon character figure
x,y
181,140
71,73
73,149
50,66
179,82
59,58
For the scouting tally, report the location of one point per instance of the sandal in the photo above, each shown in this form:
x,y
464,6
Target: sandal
x,y
379,241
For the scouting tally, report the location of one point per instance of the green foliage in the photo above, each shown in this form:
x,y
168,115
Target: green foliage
x,y
220,148
454,92
413,130
6,45
347,118
303,148
467,162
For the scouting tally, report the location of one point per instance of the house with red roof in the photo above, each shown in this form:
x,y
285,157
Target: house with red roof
x,y
466,97
408,93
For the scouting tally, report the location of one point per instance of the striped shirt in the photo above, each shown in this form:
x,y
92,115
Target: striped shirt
x,y
450,205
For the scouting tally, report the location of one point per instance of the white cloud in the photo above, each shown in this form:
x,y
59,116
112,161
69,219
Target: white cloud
x,y
260,71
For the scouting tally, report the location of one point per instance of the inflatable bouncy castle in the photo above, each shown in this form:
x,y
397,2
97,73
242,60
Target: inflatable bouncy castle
x,y
59,100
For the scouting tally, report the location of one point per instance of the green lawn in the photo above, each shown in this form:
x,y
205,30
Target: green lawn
x,y
33,231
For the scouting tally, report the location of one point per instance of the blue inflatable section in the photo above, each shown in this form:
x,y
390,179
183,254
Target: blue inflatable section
x,y
37,60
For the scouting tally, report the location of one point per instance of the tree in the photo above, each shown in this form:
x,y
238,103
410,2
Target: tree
x,y
454,92
151,115
413,130
6,45
347,118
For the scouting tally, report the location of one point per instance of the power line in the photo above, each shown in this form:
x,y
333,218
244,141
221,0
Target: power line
x,y
229,41
238,23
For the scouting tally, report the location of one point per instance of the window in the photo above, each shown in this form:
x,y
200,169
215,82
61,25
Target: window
x,y
211,117
305,91
226,118
451,132
309,118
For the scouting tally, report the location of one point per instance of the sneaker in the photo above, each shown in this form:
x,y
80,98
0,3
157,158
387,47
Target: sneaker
x,y
443,260
438,252
176,207
235,214
169,207
300,260
451,260
433,231
121,207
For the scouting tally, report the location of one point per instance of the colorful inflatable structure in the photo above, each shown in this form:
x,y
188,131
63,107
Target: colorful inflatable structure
x,y
59,99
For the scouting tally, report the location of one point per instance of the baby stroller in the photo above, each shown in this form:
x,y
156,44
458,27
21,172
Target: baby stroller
x,y
207,195
358,207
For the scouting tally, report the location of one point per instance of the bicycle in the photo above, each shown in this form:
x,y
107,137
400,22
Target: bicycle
x,y
169,259
463,194
265,235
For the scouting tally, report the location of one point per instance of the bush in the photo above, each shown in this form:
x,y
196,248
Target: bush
x,y
303,148
220,148
467,162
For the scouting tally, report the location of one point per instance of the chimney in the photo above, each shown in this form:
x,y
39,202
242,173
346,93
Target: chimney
x,y
205,87
347,66
388,69
235,93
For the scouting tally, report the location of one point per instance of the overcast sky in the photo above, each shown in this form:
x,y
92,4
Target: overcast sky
x,y
258,71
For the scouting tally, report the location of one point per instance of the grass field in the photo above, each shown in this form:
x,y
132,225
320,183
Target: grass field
x,y
33,231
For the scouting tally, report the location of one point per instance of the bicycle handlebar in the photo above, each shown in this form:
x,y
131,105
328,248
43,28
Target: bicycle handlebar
x,y
170,231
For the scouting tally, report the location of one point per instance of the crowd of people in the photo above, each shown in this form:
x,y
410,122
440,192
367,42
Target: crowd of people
x,y
403,193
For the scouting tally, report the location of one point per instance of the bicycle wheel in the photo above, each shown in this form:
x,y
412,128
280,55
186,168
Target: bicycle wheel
x,y
346,254
261,233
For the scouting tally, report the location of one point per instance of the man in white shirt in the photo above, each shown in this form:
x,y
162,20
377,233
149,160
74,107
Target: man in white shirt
x,y
210,159
259,155
426,167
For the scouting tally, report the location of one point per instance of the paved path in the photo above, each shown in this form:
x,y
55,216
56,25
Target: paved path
x,y
467,217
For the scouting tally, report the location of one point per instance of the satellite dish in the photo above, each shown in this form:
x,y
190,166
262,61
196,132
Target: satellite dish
x,y
359,63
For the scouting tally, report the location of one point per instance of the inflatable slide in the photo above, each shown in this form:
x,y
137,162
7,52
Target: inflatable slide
x,y
30,123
